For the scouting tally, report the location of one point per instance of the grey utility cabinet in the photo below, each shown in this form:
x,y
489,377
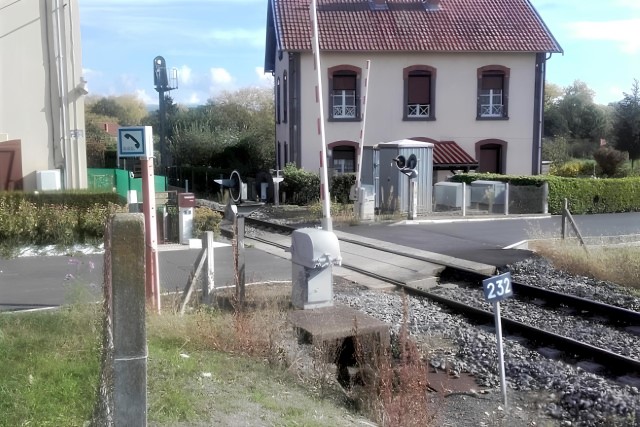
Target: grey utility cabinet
x,y
313,254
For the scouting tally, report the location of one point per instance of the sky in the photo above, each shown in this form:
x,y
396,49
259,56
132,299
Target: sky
x,y
218,45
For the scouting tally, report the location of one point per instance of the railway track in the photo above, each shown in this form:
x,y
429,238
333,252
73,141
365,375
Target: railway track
x,y
614,363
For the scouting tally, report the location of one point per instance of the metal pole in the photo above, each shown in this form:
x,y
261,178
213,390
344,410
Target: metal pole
x,y
163,143
563,231
503,383
506,199
413,199
464,199
240,261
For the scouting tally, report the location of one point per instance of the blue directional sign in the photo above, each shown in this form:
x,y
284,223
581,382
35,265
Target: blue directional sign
x,y
497,288
135,141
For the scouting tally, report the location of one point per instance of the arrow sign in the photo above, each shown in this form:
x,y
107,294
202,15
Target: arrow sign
x,y
135,142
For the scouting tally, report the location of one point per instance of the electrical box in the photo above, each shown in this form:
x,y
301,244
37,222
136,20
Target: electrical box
x,y
48,180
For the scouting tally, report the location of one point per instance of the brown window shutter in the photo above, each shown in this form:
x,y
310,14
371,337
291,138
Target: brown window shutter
x,y
418,89
492,81
341,82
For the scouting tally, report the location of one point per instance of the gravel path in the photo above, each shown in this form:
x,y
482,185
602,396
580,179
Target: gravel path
x,y
542,390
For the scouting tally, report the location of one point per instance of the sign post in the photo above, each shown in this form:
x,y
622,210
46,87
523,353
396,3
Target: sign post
x,y
137,141
496,289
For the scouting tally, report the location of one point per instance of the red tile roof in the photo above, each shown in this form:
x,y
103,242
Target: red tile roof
x,y
407,26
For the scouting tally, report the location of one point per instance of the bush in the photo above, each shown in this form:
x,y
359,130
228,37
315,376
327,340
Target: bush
x,y
573,169
206,219
556,150
301,187
341,187
61,218
610,160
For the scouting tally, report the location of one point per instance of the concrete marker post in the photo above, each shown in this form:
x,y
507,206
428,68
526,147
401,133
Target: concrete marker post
x,y
208,282
129,328
240,260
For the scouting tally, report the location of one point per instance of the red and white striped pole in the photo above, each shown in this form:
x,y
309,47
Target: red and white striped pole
x,y
324,179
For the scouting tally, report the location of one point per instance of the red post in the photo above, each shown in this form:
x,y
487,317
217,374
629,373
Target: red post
x,y
152,279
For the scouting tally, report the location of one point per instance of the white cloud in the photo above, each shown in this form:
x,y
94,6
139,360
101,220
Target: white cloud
x,y
194,99
184,75
143,96
626,33
240,36
220,76
616,92
264,79
631,4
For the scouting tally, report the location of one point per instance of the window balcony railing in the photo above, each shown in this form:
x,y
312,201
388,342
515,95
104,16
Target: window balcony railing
x,y
491,110
418,110
344,111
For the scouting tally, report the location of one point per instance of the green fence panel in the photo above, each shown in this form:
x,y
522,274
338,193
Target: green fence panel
x,y
120,179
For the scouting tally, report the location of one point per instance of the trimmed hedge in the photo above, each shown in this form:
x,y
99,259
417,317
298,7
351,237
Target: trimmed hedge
x,y
61,218
585,195
303,187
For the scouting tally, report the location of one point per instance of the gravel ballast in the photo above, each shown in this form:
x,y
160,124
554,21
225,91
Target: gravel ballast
x,y
543,388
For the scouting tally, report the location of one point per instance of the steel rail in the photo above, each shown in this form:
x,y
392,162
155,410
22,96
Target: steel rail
x,y
614,363
584,306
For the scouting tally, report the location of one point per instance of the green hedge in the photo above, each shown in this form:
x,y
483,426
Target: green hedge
x,y
585,195
60,218
303,187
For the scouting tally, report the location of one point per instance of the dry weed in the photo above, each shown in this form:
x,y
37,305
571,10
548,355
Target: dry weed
x,y
617,264
394,389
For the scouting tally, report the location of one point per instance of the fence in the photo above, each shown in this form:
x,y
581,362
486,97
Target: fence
x,y
509,199
120,181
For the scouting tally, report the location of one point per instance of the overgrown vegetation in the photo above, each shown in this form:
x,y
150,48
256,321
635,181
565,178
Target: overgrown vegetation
x,y
206,219
616,264
577,130
395,387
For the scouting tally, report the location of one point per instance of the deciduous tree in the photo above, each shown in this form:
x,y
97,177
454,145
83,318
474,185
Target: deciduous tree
x,y
626,123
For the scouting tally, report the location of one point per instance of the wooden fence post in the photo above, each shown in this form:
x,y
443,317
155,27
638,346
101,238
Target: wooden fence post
x,y
129,329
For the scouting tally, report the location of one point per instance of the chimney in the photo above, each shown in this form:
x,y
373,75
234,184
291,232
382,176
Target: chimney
x,y
378,5
431,4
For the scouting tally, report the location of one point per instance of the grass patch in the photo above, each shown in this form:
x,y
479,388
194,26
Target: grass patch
x,y
212,366
219,366
50,366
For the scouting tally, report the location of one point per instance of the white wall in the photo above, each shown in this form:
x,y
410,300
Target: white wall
x,y
455,104
30,101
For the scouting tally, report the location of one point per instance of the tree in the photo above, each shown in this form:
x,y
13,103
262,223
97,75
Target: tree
x,y
626,123
584,119
232,131
127,110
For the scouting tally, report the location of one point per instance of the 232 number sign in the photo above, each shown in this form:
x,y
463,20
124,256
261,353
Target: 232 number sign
x,y
497,288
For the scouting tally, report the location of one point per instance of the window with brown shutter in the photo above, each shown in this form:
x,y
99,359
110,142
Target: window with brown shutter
x,y
344,93
493,87
419,84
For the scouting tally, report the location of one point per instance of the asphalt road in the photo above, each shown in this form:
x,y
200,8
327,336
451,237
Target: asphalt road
x,y
484,240
47,281
43,281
